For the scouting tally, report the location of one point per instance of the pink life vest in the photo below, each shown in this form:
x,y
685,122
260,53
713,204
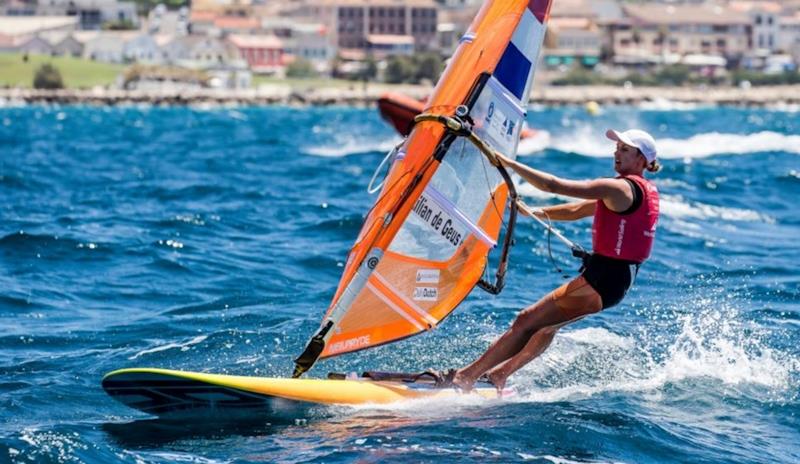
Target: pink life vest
x,y
630,236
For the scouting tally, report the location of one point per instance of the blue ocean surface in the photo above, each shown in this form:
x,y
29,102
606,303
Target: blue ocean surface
x,y
212,239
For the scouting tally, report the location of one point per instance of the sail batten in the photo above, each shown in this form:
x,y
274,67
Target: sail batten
x,y
425,243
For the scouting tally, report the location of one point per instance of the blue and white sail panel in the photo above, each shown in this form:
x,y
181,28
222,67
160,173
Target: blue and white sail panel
x,y
498,117
517,65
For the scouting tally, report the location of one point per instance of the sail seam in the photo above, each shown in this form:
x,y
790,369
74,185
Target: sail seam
x,y
410,304
393,306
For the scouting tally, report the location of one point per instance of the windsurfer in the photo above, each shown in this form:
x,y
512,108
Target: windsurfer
x,y
625,210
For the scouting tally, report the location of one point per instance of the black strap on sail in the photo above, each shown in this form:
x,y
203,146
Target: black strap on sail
x,y
312,351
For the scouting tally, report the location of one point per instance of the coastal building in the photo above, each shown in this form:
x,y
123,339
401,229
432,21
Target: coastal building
x,y
308,41
218,17
381,46
789,37
576,32
35,45
224,25
52,43
657,33
200,52
142,48
201,22
18,8
263,53
454,4
16,31
92,14
163,21
123,47
230,76
764,24
350,21
62,43
107,47
216,25
573,41
226,7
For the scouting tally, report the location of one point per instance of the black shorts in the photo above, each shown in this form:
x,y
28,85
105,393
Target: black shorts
x,y
610,278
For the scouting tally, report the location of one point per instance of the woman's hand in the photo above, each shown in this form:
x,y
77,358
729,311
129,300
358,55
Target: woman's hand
x,y
503,159
531,211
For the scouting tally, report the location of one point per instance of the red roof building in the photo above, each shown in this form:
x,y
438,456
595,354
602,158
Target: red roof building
x,y
263,53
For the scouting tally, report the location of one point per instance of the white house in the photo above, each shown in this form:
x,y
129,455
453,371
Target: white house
x,y
68,45
162,21
63,43
36,46
789,39
108,46
142,48
765,27
199,52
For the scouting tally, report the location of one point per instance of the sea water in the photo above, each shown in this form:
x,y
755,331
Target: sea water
x,y
212,239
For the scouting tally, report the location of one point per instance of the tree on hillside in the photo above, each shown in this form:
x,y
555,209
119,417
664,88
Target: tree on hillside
x,y
47,77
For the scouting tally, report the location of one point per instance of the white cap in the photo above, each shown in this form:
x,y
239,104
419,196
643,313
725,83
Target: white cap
x,y
636,138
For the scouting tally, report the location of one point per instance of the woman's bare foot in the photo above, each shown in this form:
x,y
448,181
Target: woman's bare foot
x,y
498,379
462,382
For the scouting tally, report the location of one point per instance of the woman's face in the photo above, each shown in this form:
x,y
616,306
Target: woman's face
x,y
627,159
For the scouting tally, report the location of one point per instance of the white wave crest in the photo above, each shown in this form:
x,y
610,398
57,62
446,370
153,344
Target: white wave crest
x,y
672,206
714,143
183,346
709,345
676,206
664,104
586,141
534,144
346,146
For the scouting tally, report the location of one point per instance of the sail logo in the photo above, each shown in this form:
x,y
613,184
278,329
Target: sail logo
x,y
350,344
428,276
426,294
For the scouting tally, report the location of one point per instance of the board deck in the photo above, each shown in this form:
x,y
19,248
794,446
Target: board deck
x,y
162,392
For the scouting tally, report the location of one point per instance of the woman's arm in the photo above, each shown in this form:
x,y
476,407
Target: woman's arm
x,y
567,211
615,193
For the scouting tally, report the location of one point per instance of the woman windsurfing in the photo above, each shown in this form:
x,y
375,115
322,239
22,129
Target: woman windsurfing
x,y
625,210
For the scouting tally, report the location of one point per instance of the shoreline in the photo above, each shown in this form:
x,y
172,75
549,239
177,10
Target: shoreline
x,y
360,95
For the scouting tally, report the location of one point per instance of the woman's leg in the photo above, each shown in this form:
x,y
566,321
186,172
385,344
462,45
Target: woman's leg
x,y
537,344
542,314
569,302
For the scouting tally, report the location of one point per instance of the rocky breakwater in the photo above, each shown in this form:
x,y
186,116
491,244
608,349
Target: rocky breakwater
x,y
360,94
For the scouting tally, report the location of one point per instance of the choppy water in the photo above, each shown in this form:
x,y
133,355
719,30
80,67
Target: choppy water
x,y
212,239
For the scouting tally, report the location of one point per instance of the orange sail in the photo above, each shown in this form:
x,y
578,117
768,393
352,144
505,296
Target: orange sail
x,y
424,244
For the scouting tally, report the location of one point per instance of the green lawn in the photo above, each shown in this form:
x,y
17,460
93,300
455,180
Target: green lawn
x,y
76,72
